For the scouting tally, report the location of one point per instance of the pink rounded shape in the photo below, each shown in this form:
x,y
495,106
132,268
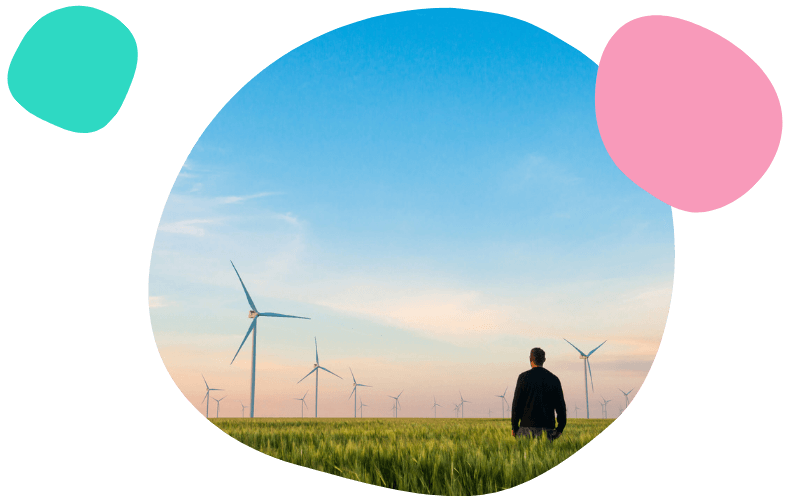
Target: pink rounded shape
x,y
684,113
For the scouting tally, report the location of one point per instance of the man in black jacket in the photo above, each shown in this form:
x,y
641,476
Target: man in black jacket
x,y
537,396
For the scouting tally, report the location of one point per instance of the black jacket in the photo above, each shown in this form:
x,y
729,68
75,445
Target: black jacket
x,y
537,396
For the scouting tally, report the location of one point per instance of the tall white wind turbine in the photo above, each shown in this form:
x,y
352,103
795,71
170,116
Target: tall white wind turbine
x,y
218,400
435,404
503,401
585,358
254,314
462,403
356,385
626,396
316,369
397,402
207,399
243,407
302,402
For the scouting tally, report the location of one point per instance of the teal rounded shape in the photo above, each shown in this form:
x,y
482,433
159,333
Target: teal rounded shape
x,y
73,68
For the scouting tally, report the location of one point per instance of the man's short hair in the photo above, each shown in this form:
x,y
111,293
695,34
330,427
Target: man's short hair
x,y
537,356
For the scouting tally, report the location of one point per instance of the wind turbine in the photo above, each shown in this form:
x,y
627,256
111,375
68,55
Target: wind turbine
x,y
585,358
605,406
490,413
361,407
576,411
462,403
207,399
254,314
435,404
620,410
504,402
303,402
397,402
355,386
243,407
457,408
394,408
316,369
218,400
626,396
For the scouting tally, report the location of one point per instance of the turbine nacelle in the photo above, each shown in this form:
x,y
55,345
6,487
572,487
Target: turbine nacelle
x,y
252,314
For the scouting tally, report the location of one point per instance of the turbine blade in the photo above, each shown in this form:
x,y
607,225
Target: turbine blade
x,y
276,315
316,351
249,300
573,345
590,373
351,394
304,402
204,398
204,380
330,372
504,392
309,373
252,325
351,374
362,385
596,348
401,393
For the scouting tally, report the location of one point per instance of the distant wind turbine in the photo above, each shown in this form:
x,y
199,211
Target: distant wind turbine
x,y
254,314
462,403
490,413
302,402
503,401
361,407
620,410
576,411
458,407
435,404
585,358
218,400
626,396
207,399
355,386
243,407
397,402
605,406
316,369
393,409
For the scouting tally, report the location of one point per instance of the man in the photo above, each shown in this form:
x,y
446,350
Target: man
x,y
537,396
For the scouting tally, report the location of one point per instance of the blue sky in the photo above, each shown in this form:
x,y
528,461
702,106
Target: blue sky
x,y
431,188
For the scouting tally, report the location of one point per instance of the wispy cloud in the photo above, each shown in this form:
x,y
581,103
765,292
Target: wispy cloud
x,y
158,301
225,200
287,217
191,227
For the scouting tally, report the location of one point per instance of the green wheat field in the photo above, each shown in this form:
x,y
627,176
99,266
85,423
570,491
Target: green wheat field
x,y
444,456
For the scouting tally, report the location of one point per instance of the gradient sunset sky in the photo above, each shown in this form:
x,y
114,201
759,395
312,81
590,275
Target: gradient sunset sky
x,y
429,187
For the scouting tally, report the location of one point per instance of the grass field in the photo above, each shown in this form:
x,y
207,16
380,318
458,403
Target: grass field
x,y
443,456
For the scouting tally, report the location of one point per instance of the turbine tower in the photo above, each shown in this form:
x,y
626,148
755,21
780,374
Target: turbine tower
x,y
503,401
243,407
462,403
218,400
254,314
361,407
626,396
355,386
303,402
207,399
316,369
397,402
435,404
585,358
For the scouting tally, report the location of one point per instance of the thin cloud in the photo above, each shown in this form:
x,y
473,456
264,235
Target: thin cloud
x,y
226,200
158,301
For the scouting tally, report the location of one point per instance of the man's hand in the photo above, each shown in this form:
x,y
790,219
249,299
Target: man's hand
x,y
513,434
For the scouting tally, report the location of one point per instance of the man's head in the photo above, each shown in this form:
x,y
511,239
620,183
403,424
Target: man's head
x,y
537,357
